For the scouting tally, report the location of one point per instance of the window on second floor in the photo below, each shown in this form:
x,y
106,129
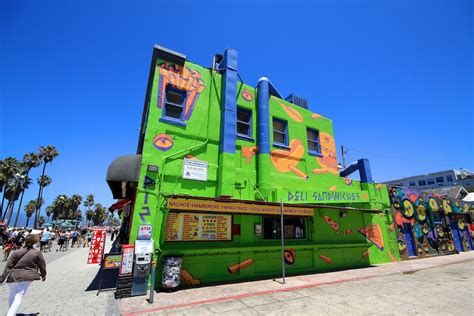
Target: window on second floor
x,y
430,181
244,122
175,100
280,132
439,179
412,184
422,183
449,178
313,141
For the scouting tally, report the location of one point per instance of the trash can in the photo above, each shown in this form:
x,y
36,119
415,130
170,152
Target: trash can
x,y
171,272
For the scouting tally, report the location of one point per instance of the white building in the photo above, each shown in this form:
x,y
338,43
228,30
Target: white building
x,y
448,178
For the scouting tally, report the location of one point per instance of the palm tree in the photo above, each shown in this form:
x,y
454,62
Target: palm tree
x,y
41,220
99,215
49,211
89,215
88,203
43,181
8,168
26,183
30,209
47,154
30,160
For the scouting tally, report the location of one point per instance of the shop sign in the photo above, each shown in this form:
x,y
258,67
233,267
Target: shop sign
x,y
112,261
126,265
144,232
195,169
195,226
299,196
96,249
240,208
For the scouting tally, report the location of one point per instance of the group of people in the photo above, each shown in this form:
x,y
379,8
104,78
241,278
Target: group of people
x,y
14,238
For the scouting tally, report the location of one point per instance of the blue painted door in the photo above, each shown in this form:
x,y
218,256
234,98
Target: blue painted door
x,y
410,243
456,235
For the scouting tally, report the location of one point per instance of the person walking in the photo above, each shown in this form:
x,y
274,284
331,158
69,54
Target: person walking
x,y
22,268
45,239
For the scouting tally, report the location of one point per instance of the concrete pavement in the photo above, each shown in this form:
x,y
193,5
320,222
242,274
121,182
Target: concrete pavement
x,y
239,298
437,285
65,290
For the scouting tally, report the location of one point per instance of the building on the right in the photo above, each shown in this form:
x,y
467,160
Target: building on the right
x,y
446,179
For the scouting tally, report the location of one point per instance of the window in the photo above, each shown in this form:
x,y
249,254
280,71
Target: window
x,y
412,184
430,181
313,141
294,228
280,133
439,179
422,183
449,178
174,104
244,122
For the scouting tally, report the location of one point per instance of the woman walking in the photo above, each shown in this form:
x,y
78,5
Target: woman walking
x,y
22,268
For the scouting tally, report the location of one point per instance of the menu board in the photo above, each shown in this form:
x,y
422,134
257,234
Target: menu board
x,y
195,227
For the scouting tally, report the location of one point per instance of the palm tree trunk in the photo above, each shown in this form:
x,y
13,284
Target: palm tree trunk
x,y
21,199
38,199
18,210
3,199
27,220
6,211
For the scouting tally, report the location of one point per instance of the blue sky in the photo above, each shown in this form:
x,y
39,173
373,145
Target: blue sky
x,y
396,76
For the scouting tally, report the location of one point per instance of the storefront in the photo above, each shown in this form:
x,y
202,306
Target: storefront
x,y
217,159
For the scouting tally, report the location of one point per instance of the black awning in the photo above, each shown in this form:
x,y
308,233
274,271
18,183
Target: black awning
x,y
122,176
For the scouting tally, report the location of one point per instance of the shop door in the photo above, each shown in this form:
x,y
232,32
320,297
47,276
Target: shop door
x,y
410,243
456,235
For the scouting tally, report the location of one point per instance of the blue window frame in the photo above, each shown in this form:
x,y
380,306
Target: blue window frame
x,y
173,109
244,123
449,178
313,141
280,133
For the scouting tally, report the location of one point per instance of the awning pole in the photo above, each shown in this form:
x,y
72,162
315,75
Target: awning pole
x,y
282,232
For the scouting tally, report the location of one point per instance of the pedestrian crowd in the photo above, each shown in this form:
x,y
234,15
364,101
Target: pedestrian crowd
x,y
23,250
14,238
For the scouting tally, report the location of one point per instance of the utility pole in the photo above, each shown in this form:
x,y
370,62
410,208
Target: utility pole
x,y
343,152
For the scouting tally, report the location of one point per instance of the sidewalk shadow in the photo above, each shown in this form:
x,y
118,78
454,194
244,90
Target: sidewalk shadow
x,y
109,277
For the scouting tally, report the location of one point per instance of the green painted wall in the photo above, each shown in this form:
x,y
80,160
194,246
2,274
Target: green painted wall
x,y
309,179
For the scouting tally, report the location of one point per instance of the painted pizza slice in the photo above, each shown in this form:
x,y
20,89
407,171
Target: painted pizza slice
x,y
373,234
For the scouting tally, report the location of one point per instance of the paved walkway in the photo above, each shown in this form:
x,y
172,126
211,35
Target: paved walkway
x,y
225,298
64,291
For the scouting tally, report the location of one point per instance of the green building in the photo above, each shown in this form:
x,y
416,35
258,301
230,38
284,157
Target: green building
x,y
217,158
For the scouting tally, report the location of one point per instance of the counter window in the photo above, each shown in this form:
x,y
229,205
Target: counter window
x,y
294,228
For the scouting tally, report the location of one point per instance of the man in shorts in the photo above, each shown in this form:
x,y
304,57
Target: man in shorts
x,y
45,238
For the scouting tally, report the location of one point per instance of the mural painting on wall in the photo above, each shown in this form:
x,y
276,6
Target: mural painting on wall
x,y
163,142
294,114
423,222
249,152
328,161
235,268
181,78
373,234
247,95
286,161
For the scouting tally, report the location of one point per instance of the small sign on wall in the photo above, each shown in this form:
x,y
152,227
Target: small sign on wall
x,y
144,232
258,229
195,169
